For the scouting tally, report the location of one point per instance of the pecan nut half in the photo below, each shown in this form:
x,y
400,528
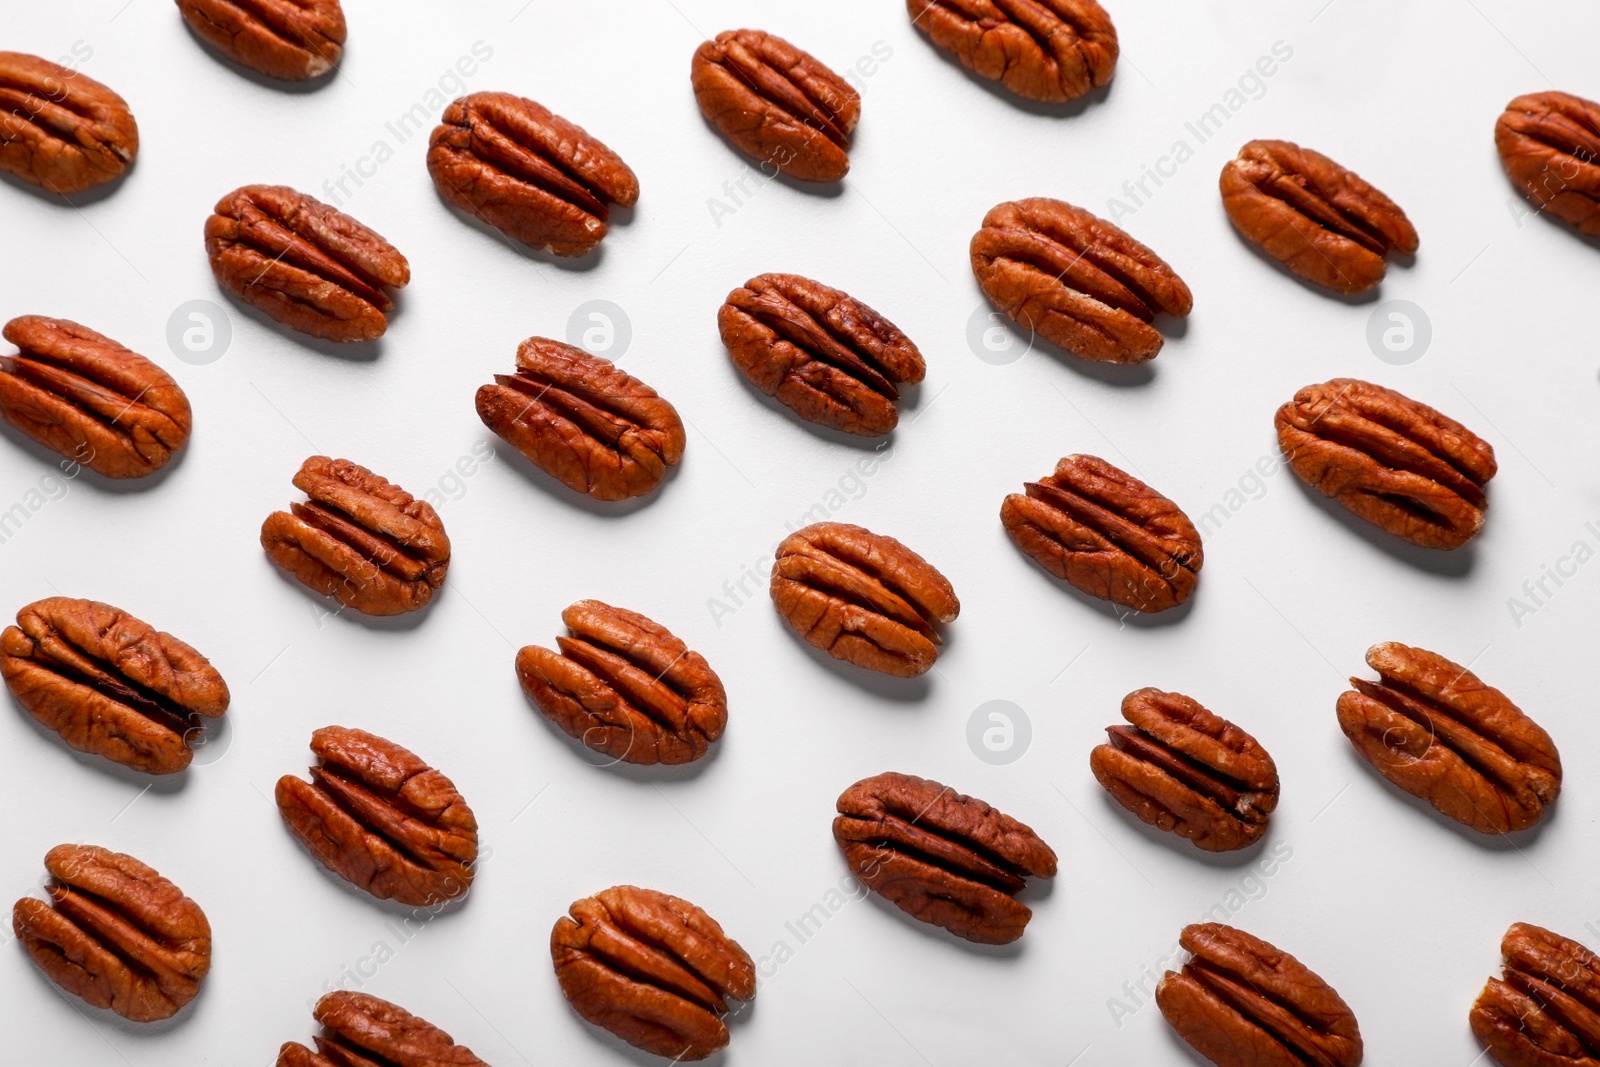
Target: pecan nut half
x,y
1188,771
1545,1011
289,39
777,104
862,597
1241,1002
109,684
360,1030
365,542
314,269
822,353
1550,145
1052,51
1076,280
90,399
115,933
941,857
653,969
1395,462
594,428
528,173
1432,728
60,129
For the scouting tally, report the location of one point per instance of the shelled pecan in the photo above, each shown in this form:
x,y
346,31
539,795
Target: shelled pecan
x,y
360,1030
59,128
1545,1010
1550,145
289,39
1047,50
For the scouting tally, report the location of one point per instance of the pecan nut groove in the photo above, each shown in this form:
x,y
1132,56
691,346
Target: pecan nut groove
x,y
1052,51
1545,1009
361,1030
289,39
60,129
1550,146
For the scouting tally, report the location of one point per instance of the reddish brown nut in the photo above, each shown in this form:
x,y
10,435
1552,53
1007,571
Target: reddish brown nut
x,y
115,933
1432,728
362,1031
1047,50
289,39
652,969
1395,462
1545,1012
1550,145
59,128
90,399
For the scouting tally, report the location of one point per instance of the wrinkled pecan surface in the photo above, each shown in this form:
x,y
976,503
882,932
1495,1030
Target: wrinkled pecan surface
x,y
289,39
1550,145
360,1030
1545,1010
59,128
1047,50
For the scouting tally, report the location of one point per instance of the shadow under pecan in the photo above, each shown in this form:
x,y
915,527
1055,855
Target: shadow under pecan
x,y
652,969
626,687
528,172
1241,1002
312,268
109,684
777,104
360,1030
1432,728
1076,280
1395,462
115,933
822,353
1550,146
941,857
1545,1010
1052,51
360,539
60,129
90,399
289,39
1317,218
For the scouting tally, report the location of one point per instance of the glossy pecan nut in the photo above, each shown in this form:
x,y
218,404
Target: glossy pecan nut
x,y
1545,1010
941,857
115,933
1047,50
109,684
360,1030
594,428
1188,771
651,968
60,129
365,542
1432,728
1076,280
1241,1002
862,597
528,173
822,353
1397,463
1550,145
90,399
314,269
289,39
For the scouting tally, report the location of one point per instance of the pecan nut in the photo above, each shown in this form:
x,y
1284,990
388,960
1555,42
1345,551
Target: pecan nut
x,y
314,269
1550,145
1047,50
1076,280
653,969
1395,462
60,129
109,684
777,104
289,39
594,428
365,542
360,1030
941,857
862,597
528,173
1188,771
1241,1002
1545,1011
90,399
822,353
115,933
1432,728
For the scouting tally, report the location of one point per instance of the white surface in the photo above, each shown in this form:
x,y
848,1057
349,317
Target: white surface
x,y
1397,909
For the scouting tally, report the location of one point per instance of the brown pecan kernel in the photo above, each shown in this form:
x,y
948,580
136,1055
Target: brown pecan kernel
x,y
289,39
528,173
1432,728
1550,145
941,857
109,684
594,428
862,597
1047,50
362,1031
822,353
1241,1002
115,933
1076,280
60,129
1546,1010
652,969
1190,772
314,269
1395,462
90,399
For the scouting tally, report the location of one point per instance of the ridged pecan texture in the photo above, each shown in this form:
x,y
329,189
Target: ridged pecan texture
x,y
360,1030
59,128
289,39
1545,1009
1047,50
1550,145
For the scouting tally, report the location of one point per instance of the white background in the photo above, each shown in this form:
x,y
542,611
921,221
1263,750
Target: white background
x,y
1401,911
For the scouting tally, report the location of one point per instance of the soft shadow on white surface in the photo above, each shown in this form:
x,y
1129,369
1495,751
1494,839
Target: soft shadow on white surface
x,y
1238,858
309,85
1117,374
647,773
353,351
162,784
1071,108
559,491
1352,299
433,912
823,433
411,620
1446,562
1514,842
940,934
87,198
1116,613
883,686
52,460
617,216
